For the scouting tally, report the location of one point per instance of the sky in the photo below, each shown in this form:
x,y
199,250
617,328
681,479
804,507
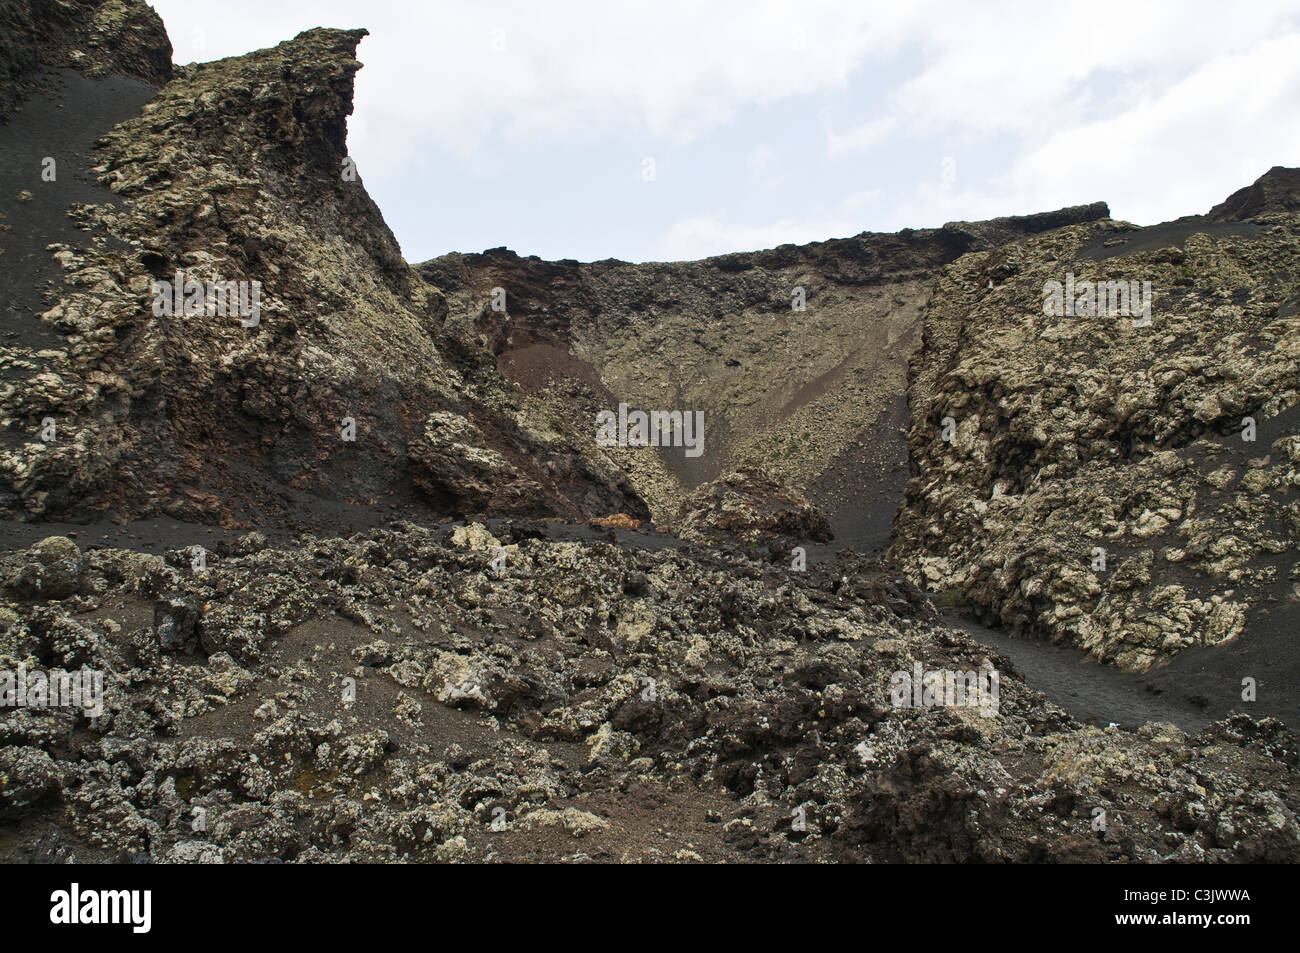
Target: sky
x,y
667,130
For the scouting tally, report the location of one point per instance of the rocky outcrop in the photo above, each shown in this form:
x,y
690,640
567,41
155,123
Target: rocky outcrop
x,y
1278,190
1121,483
749,507
237,173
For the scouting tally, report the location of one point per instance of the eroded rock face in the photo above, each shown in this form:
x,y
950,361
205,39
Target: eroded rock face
x,y
237,172
403,695
1125,486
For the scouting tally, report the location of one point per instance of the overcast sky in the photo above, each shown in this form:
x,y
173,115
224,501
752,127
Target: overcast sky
x,y
668,130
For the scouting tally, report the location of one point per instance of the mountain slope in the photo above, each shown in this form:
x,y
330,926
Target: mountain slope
x,y
797,356
236,171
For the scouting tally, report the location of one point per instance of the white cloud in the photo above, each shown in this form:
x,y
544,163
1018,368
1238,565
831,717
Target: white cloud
x,y
1176,151
1158,107
764,168
461,70
865,136
1184,148
1020,66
